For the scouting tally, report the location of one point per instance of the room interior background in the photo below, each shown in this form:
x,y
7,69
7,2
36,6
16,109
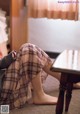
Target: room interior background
x,y
50,33
54,35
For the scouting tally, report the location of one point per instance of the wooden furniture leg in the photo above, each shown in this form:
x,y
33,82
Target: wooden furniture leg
x,y
68,95
72,78
60,103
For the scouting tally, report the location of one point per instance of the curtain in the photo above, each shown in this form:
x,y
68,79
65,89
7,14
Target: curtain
x,y
56,9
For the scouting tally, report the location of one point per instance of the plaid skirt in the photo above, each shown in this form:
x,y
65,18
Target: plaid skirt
x,y
30,61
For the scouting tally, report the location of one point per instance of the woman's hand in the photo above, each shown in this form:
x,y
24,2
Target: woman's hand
x,y
14,54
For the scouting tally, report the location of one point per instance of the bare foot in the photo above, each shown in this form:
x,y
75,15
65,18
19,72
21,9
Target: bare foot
x,y
45,100
76,86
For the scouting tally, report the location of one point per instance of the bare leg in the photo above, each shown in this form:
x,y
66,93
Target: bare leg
x,y
56,75
39,97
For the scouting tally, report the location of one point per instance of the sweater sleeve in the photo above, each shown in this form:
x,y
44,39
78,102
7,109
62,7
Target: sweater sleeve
x,y
6,61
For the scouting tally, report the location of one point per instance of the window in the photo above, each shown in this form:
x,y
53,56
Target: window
x,y
56,9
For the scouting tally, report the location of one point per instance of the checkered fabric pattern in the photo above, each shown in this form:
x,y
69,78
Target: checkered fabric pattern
x,y
30,61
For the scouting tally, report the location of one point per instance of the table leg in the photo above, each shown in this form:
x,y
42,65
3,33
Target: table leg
x,y
68,95
60,103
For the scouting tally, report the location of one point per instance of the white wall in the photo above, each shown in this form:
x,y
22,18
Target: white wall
x,y
54,35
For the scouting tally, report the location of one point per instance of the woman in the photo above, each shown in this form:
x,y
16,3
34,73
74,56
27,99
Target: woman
x,y
30,62
25,68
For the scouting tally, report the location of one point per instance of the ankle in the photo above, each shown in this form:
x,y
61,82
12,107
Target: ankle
x,y
38,94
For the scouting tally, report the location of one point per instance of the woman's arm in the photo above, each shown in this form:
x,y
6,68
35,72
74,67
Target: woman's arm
x,y
7,60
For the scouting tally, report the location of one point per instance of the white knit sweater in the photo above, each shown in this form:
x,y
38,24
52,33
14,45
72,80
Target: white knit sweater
x,y
3,25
